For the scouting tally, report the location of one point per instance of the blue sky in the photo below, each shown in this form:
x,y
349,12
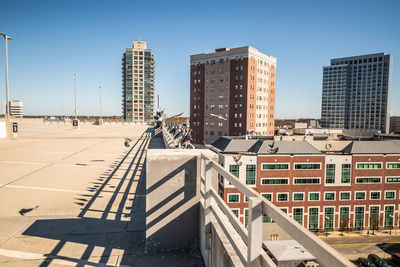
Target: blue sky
x,y
53,39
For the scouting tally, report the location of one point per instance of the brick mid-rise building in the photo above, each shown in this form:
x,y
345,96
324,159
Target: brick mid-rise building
x,y
231,91
323,185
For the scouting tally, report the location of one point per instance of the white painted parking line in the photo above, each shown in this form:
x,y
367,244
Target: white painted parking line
x,y
45,189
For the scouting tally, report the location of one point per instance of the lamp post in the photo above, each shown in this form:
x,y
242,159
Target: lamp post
x,y
391,224
75,111
326,226
6,37
100,100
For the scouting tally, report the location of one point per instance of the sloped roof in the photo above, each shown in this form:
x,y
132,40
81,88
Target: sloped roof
x,y
376,147
288,147
235,145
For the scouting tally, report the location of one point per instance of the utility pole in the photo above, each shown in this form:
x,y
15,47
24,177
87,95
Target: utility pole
x,y
100,100
75,111
7,99
158,101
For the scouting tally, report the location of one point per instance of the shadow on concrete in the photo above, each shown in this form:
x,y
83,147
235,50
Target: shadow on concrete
x,y
119,225
389,248
109,227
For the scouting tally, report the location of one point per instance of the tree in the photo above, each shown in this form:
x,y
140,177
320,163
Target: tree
x,y
344,223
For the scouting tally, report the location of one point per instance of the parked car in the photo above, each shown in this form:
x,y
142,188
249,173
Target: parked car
x,y
365,262
377,260
396,258
391,263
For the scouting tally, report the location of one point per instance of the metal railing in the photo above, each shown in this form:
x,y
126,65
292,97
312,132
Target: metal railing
x,y
247,243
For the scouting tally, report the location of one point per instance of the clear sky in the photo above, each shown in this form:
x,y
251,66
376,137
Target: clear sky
x,y
53,39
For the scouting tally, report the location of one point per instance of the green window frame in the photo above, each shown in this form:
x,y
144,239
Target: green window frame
x,y
306,181
285,210
267,196
330,174
236,212
314,197
346,173
329,218
271,181
359,218
330,196
275,166
344,218
344,195
298,215
308,166
250,174
393,166
369,165
234,169
282,197
246,217
375,195
298,196
389,216
313,216
360,196
392,179
233,198
390,194
368,180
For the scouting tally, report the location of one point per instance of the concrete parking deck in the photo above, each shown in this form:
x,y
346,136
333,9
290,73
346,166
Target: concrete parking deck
x,y
76,198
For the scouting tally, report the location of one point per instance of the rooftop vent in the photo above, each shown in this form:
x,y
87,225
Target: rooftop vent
x,y
222,49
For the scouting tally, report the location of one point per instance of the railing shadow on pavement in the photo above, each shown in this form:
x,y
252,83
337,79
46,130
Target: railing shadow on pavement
x,y
107,228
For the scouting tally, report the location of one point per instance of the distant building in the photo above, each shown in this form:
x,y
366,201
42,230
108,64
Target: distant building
x,y
138,83
395,124
16,108
355,92
231,91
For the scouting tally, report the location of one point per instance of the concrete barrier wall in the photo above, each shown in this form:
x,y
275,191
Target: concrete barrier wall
x,y
172,198
3,129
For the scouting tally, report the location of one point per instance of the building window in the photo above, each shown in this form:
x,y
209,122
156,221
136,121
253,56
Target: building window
x,y
392,179
306,181
360,196
344,217
268,196
233,198
329,218
389,216
374,217
311,166
346,173
359,218
329,195
298,196
330,174
313,216
368,180
283,197
236,212
313,197
298,215
369,166
344,195
234,169
375,195
390,194
251,174
393,166
271,181
275,166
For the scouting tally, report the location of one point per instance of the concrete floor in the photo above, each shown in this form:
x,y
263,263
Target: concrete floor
x,y
76,198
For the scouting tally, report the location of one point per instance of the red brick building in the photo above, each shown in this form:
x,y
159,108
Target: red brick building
x,y
231,91
353,184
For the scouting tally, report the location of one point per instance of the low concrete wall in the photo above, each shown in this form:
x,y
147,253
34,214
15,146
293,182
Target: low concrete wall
x,y
3,129
172,198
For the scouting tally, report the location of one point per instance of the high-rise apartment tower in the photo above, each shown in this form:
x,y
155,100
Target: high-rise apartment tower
x,y
355,92
138,83
231,91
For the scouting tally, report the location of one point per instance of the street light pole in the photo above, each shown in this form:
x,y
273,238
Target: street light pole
x,y
75,111
100,100
7,100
